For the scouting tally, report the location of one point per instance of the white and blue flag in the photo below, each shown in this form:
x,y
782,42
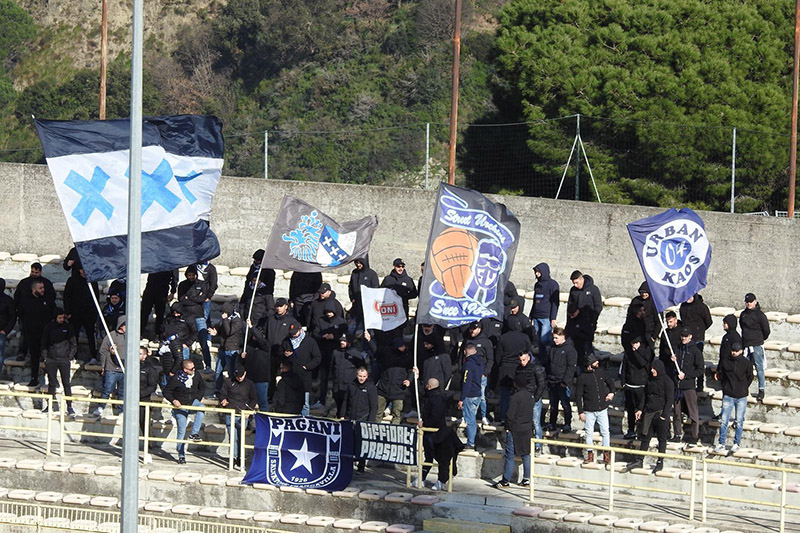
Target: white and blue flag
x,y
674,252
304,239
182,159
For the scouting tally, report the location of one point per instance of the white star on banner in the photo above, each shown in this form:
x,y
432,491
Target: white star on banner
x,y
303,457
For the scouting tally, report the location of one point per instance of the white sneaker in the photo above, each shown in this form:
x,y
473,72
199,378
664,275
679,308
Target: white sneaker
x,y
98,411
458,422
437,486
734,448
719,448
485,421
148,458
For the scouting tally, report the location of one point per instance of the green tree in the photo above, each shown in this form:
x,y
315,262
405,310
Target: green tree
x,y
652,71
17,27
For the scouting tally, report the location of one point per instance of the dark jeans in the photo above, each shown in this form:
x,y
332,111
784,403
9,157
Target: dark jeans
x,y
339,397
505,400
34,340
87,324
652,424
633,398
324,374
559,394
53,368
152,300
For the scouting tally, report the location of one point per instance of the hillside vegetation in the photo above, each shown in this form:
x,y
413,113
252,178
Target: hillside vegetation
x,y
345,88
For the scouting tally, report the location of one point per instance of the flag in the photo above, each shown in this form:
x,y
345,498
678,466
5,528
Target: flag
x,y
304,239
182,160
387,443
383,309
674,253
471,251
303,452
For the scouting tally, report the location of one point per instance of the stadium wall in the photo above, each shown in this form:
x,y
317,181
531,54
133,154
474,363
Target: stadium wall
x,y
750,253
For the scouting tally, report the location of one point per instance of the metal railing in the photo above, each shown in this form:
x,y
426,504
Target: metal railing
x,y
48,429
421,461
702,475
43,518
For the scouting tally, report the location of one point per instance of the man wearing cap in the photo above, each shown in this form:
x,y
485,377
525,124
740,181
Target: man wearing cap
x,y
238,393
276,331
519,430
515,310
477,337
687,365
472,372
112,356
346,359
735,373
755,330
545,309
325,297
400,282
593,394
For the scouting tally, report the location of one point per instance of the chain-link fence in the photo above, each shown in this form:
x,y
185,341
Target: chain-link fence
x,y
657,163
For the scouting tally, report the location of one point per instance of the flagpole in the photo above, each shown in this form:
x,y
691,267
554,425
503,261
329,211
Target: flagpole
x,y
130,423
416,388
250,311
664,332
103,322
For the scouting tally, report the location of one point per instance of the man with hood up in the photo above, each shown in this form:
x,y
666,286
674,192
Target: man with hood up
x,y
114,307
263,303
176,338
755,330
583,309
230,330
395,362
653,412
112,358
593,394
512,343
635,369
400,282
545,309
362,275
267,274
346,360
651,322
8,317
302,288
696,316
327,330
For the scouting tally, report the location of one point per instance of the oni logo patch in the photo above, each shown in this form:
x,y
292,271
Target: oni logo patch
x,y
307,452
673,252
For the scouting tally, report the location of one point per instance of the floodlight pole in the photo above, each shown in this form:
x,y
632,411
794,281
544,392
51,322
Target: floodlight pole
x,y
451,168
130,425
103,56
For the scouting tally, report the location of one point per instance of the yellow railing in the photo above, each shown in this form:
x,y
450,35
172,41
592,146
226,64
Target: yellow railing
x,y
611,484
421,461
48,429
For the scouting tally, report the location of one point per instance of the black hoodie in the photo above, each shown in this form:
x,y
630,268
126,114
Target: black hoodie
x,y
651,323
697,317
78,300
320,305
690,361
755,326
403,285
231,330
590,304
366,277
58,342
659,393
636,364
345,363
334,326
263,304
8,312
731,336
545,295
512,343
735,375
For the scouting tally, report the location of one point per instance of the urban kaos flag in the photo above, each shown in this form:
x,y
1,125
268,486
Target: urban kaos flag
x,y
471,252
383,309
182,159
674,253
303,452
304,239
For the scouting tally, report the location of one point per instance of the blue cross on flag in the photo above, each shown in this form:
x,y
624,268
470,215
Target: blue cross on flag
x,y
182,159
674,253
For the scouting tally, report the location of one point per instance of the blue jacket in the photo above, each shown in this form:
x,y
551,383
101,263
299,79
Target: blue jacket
x,y
545,295
472,374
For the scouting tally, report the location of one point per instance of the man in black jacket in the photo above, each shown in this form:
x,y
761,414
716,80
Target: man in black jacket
x,y
160,289
258,365
80,307
545,308
735,373
593,394
687,366
512,343
583,309
327,331
192,294
362,275
324,298
148,382
267,276
635,370
653,412
230,330
696,316
305,355
8,317
560,376
178,335
667,345
400,282
435,364
58,349
651,321
361,403
434,415
346,360
186,388
395,363
536,379
303,286
519,429
290,391
755,330
476,336
257,308
277,330
237,393
35,311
